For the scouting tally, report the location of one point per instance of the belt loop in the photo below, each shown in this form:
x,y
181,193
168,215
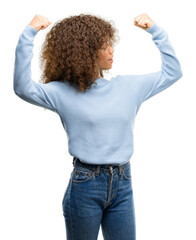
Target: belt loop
x,y
73,162
120,169
97,170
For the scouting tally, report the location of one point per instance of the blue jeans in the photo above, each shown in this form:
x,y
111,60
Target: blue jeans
x,y
99,195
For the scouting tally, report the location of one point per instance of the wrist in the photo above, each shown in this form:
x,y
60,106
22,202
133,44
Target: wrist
x,y
34,27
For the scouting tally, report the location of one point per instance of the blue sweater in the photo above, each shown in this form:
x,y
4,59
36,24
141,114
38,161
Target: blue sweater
x,y
99,123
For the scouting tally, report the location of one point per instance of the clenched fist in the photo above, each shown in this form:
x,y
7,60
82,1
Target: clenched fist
x,y
40,22
143,21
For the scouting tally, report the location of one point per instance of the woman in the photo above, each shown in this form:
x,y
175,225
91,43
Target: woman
x,y
98,115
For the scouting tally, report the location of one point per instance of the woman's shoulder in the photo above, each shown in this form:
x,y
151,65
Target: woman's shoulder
x,y
128,78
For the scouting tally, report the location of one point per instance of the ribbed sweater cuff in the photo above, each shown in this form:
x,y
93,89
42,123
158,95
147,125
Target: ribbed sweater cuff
x,y
153,29
31,31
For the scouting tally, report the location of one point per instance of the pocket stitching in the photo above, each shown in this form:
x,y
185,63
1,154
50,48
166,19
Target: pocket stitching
x,y
128,178
86,174
84,171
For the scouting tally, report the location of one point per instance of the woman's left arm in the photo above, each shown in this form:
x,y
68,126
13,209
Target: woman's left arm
x,y
152,83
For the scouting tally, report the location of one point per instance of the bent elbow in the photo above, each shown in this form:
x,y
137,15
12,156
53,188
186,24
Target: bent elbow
x,y
179,74
175,74
17,90
20,92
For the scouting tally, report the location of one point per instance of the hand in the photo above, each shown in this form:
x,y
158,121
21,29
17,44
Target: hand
x,y
143,21
39,22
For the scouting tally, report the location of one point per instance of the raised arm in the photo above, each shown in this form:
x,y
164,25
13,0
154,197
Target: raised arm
x,y
36,93
152,83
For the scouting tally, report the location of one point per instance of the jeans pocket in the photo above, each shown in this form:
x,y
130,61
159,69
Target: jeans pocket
x,y
127,172
81,175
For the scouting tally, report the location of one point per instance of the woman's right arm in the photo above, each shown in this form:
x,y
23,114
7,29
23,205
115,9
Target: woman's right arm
x,y
24,86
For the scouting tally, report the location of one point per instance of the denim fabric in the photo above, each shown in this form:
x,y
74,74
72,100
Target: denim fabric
x,y
99,195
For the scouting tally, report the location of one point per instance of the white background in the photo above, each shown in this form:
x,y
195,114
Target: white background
x,y
35,165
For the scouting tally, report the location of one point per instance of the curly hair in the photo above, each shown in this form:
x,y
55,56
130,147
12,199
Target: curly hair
x,y
70,50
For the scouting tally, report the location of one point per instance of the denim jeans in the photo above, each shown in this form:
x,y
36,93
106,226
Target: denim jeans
x,y
99,195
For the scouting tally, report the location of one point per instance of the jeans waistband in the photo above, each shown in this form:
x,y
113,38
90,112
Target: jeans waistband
x,y
77,161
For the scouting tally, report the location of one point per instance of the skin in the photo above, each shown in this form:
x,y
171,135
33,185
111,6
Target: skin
x,y
105,55
106,52
142,21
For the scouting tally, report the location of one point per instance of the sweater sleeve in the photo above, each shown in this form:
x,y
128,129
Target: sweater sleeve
x,y
39,94
152,83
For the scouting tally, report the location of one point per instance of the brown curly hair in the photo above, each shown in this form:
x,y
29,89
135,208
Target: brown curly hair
x,y
70,50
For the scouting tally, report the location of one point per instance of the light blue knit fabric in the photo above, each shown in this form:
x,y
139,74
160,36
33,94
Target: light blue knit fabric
x,y
99,123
